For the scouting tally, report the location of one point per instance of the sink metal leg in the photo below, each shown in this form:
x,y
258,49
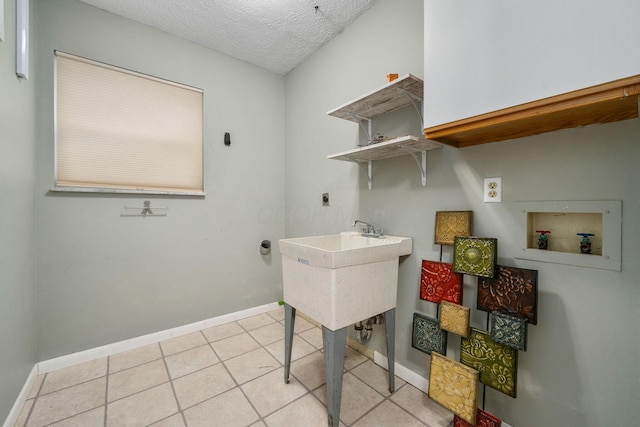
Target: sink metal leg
x,y
334,350
289,323
390,329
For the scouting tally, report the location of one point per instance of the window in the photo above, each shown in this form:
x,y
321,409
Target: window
x,y
122,131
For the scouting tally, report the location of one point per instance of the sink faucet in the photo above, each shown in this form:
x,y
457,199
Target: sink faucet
x,y
368,230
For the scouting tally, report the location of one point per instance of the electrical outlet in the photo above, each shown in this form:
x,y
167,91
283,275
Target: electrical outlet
x,y
493,190
325,199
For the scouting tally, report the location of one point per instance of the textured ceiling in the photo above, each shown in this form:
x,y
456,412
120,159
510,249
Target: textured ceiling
x,y
273,34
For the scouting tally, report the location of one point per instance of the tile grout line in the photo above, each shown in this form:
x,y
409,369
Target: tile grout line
x,y
106,392
261,419
173,389
35,399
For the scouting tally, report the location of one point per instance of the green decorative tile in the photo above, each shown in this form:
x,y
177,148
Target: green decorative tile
x,y
497,363
427,335
509,330
475,255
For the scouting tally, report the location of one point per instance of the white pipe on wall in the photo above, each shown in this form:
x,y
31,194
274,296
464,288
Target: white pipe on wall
x,y
22,38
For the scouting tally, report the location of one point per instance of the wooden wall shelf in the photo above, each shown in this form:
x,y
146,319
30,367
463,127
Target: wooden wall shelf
x,y
605,103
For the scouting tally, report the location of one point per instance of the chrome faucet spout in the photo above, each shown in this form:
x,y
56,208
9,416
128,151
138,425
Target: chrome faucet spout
x,y
363,223
368,230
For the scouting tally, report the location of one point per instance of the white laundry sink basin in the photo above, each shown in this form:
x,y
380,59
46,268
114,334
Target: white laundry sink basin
x,y
341,279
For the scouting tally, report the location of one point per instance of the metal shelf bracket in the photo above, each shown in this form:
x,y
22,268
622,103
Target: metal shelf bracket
x,y
422,163
367,171
416,102
361,120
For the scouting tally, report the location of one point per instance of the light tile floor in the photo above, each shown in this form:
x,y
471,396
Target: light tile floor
x,y
225,376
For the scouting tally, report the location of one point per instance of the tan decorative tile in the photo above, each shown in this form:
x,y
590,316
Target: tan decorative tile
x,y
300,348
307,411
388,414
417,403
222,331
450,224
249,366
135,357
454,386
268,334
230,409
134,380
270,393
357,398
94,417
182,343
234,346
376,377
142,408
254,322
202,385
73,375
68,402
455,318
190,361
309,370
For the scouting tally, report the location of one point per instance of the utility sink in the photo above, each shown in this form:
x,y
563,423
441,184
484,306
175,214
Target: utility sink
x,y
341,279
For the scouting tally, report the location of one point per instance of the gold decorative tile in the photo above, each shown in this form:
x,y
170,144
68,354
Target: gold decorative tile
x,y
454,386
455,318
450,224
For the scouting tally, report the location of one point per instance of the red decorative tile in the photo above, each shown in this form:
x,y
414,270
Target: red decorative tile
x,y
483,419
439,283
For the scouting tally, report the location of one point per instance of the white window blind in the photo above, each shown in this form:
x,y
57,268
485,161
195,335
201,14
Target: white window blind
x,y
118,130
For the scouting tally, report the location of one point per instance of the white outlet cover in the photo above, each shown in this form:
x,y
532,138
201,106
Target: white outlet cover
x,y
492,190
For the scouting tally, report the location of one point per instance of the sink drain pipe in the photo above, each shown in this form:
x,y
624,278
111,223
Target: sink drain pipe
x,y
364,332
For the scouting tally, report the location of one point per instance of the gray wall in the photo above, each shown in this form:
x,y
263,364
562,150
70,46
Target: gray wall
x,y
582,365
103,278
17,224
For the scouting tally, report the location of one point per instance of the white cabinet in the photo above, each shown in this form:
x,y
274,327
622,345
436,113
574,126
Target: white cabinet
x,y
402,92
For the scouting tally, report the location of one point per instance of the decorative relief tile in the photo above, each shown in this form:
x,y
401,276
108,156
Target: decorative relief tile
x,y
450,224
454,386
497,363
427,335
439,283
508,330
483,419
475,255
512,291
455,318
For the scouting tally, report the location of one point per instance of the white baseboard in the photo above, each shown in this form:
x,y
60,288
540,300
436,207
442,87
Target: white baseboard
x,y
408,375
130,344
11,419
419,382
